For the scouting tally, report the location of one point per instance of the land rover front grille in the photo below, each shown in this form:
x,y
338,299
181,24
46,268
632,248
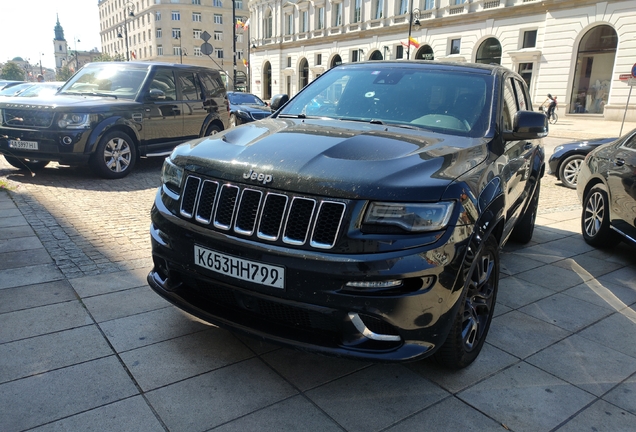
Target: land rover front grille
x,y
27,118
267,215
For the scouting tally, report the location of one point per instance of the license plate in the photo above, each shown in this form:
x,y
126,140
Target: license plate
x,y
25,145
247,270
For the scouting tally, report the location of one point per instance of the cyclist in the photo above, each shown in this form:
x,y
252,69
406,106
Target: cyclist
x,y
552,104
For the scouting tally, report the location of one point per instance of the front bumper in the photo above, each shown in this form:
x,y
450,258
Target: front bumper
x,y
316,311
65,146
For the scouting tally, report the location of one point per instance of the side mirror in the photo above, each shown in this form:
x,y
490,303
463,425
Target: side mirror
x,y
278,101
528,125
156,94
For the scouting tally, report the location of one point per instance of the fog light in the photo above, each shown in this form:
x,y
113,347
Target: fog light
x,y
366,332
67,140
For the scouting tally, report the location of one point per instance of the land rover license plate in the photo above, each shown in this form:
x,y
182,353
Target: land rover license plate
x,y
24,145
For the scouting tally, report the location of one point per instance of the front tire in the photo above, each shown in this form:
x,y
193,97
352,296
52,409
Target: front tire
x,y
115,155
212,130
569,171
32,165
477,305
595,218
233,120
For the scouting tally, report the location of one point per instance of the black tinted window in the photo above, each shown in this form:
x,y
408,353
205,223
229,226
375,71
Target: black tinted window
x,y
164,81
212,85
189,87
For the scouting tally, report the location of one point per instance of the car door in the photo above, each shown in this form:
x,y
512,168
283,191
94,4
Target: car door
x,y
517,153
191,95
163,112
621,179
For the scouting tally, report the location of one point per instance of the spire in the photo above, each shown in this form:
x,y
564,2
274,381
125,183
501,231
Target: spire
x,y
59,31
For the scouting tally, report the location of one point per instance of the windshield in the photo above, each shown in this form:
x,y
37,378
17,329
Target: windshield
x,y
245,99
429,98
44,89
13,90
107,79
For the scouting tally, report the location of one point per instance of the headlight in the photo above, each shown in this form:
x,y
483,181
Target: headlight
x,y
557,148
415,217
74,121
171,176
243,114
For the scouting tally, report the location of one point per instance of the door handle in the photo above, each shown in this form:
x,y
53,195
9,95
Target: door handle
x,y
619,162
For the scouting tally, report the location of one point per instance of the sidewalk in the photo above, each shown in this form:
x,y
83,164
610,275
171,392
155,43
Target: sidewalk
x,y
580,126
89,346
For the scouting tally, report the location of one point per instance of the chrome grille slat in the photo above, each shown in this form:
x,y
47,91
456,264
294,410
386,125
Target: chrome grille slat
x,y
37,118
254,211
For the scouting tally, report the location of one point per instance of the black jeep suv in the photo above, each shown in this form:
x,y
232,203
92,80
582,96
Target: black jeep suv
x,y
363,219
110,114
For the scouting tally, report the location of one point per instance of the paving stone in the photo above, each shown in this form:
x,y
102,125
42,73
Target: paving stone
x,y
554,277
515,293
524,398
29,275
12,232
376,397
54,395
624,395
13,221
111,282
24,258
601,416
616,331
30,296
614,297
566,312
223,395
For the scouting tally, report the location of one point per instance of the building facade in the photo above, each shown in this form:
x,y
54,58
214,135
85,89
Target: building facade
x,y
67,56
576,50
174,31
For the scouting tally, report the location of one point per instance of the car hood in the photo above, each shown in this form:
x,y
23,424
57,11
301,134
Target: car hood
x,y
67,103
335,158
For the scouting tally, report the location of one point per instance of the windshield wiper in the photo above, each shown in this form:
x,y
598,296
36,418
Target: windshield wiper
x,y
301,116
90,94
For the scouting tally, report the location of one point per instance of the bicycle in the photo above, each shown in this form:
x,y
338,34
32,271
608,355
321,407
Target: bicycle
x,y
551,120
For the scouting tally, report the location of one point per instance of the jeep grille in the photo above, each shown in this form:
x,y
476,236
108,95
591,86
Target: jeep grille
x,y
265,214
27,118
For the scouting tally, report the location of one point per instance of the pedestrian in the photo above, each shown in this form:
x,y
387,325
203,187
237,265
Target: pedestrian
x,y
40,78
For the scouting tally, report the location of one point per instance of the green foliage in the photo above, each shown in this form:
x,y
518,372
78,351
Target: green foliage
x,y
64,74
11,71
103,57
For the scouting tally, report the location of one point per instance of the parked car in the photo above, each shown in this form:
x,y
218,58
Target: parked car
x,y
246,107
48,88
15,89
566,160
607,190
8,83
110,114
367,226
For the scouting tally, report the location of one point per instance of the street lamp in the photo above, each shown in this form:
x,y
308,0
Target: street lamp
x,y
129,10
75,41
178,36
234,43
41,72
251,44
414,14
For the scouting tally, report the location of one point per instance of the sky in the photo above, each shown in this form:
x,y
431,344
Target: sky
x,y
27,28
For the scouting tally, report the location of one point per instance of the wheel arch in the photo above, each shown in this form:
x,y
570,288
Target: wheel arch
x,y
109,125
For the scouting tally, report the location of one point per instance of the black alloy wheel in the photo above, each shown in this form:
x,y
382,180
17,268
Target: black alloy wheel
x,y
115,155
212,130
477,304
595,224
32,165
569,170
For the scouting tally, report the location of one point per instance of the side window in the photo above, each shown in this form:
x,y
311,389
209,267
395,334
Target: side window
x,y
212,85
522,96
164,81
509,105
189,86
630,143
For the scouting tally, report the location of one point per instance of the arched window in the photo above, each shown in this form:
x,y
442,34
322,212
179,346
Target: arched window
x,y
376,55
425,53
303,74
267,80
489,52
335,61
593,72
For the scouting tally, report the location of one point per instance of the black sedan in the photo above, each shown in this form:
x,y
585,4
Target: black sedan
x,y
607,189
566,160
246,107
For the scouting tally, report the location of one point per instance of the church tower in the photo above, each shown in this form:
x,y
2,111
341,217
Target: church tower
x,y
60,46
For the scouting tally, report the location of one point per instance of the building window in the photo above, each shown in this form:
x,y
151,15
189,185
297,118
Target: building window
x,y
529,39
176,16
159,33
318,59
429,4
238,4
337,15
158,16
357,11
218,35
525,70
289,61
239,54
176,33
239,38
174,1
149,34
176,50
404,7
196,34
159,50
457,2
355,55
196,2
218,3
196,16
320,23
268,24
197,52
219,53
455,44
378,8
399,51
304,24
289,24
218,19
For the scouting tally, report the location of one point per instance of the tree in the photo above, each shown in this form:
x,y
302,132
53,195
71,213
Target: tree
x,y
64,74
103,57
11,71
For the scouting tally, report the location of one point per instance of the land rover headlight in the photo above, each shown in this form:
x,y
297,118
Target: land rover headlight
x,y
171,176
414,217
74,121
